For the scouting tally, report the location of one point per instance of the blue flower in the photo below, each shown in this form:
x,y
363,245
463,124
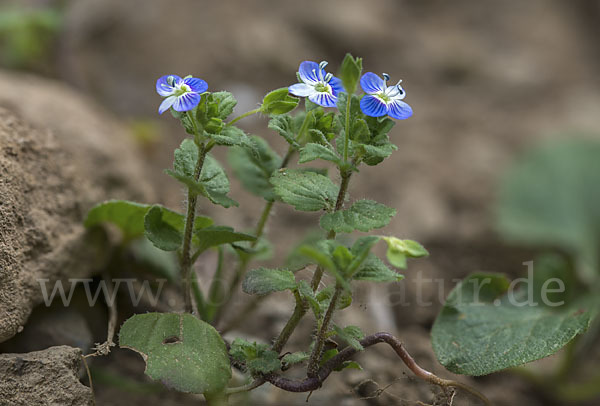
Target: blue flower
x,y
181,94
320,87
382,99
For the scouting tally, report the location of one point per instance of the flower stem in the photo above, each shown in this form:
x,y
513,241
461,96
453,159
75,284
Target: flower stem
x,y
347,132
315,356
246,114
186,259
302,307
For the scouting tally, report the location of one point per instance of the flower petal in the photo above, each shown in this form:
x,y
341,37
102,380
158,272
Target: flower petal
x,y
163,88
197,85
166,104
308,72
399,110
323,99
336,85
372,106
301,90
186,101
371,83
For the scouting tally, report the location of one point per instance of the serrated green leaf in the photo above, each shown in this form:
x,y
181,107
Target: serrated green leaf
x,y
306,191
482,328
363,215
294,358
180,350
213,182
226,102
279,102
259,359
230,136
218,235
342,258
262,281
350,72
374,270
283,124
312,151
350,334
324,298
160,233
255,169
374,154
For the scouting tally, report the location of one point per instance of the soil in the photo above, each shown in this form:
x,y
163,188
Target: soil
x,y
486,80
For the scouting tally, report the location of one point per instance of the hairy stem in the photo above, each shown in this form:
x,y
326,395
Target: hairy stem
x,y
315,356
312,383
347,131
186,259
300,309
288,329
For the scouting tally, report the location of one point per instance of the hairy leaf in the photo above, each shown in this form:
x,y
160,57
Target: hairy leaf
x,y
363,215
180,350
485,327
263,281
306,191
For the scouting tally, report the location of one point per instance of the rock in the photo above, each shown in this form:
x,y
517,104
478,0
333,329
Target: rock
x,y
73,156
48,377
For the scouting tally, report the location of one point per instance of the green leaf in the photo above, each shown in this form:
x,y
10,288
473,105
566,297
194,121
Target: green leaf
x,y
374,270
350,72
263,281
374,154
363,215
350,334
551,198
226,102
259,359
307,294
255,169
230,136
327,355
324,298
312,151
306,191
399,250
484,327
349,365
127,216
218,235
284,125
180,350
162,234
279,102
355,112
290,359
213,182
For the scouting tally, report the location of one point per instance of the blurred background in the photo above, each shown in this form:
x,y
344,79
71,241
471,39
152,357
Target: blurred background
x,y
488,81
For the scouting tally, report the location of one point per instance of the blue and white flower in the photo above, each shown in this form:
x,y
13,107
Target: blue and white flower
x,y
320,87
181,94
381,99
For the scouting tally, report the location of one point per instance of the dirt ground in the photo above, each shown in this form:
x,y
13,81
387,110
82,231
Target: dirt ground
x,y
486,79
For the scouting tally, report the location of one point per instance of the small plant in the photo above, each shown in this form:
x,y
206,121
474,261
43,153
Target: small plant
x,y
345,125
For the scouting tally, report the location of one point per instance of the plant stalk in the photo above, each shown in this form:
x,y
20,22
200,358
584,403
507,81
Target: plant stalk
x,y
315,356
186,259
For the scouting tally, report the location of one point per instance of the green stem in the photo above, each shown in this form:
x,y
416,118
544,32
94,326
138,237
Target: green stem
x,y
186,260
347,132
318,275
215,294
246,114
288,329
301,308
315,356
